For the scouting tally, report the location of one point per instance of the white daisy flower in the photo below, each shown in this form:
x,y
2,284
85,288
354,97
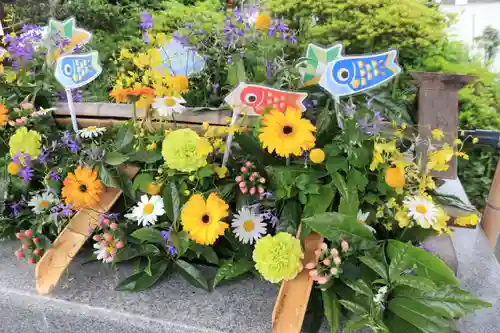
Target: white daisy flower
x,y
362,217
147,210
248,226
42,112
423,211
41,203
91,132
103,252
166,106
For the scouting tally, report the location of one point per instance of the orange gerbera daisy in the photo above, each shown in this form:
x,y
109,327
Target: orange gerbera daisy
x,y
3,114
122,95
82,188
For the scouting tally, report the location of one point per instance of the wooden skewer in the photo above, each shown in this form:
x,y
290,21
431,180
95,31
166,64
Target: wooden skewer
x,y
291,304
491,216
56,260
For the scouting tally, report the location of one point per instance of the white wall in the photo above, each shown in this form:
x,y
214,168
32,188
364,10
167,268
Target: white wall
x,y
472,20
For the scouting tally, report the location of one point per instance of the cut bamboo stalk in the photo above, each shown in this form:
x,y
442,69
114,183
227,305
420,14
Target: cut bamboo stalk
x,y
56,260
491,215
291,304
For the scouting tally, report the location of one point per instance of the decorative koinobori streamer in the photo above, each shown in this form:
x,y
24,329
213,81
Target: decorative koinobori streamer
x,y
72,71
254,99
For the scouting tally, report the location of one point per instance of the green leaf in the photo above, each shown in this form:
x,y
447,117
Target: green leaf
x,y
302,181
124,136
147,269
377,266
191,274
302,198
336,163
361,287
360,157
331,306
340,183
134,251
149,235
335,227
206,171
142,181
419,315
426,263
290,216
180,240
172,201
324,120
206,252
115,158
142,280
397,324
356,178
319,203
399,263
236,71
146,156
282,180
448,301
357,323
354,307
116,179
417,282
349,205
251,146
231,269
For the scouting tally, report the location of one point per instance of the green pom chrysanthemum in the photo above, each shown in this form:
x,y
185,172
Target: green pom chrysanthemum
x,y
278,258
185,150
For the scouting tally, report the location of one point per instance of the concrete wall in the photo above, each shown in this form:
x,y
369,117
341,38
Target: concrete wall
x,y
473,18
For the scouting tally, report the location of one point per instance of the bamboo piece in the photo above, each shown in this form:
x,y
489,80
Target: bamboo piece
x,y
291,304
54,262
491,215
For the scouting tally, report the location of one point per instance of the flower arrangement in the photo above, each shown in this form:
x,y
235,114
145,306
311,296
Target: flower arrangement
x,y
343,170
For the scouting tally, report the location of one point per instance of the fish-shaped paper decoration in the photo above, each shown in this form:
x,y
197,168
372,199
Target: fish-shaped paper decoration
x,y
76,70
354,74
317,59
255,99
178,59
65,30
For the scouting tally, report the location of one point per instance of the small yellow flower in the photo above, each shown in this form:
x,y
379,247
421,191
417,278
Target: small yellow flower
x,y
395,177
14,168
221,171
317,155
125,54
263,21
457,142
205,125
403,126
152,189
151,146
218,143
469,220
203,147
475,140
192,178
462,155
186,193
402,218
437,134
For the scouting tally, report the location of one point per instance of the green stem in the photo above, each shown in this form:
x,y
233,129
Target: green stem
x,y
173,119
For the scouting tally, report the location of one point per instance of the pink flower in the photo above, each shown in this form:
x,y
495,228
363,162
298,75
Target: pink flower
x,y
255,174
324,247
344,245
113,226
252,178
323,280
19,235
334,252
106,255
310,265
327,261
120,245
262,180
317,253
108,237
253,190
337,260
12,123
19,254
243,169
97,238
37,251
334,271
106,221
25,106
28,233
313,273
242,185
248,164
26,246
31,261
243,190
261,190
238,179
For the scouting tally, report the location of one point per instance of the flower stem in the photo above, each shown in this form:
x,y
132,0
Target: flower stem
x,y
134,111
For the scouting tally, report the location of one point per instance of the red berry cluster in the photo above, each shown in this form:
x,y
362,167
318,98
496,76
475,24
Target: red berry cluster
x,y
328,265
250,181
31,249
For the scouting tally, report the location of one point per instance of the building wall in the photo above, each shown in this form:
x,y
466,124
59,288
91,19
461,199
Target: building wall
x,y
472,20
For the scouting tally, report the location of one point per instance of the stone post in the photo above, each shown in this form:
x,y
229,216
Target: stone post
x,y
438,108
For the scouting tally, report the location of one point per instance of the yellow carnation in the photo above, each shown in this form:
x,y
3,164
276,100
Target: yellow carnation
x,y
24,141
278,257
184,150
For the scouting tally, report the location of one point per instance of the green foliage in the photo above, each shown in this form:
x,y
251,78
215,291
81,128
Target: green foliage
x,y
366,25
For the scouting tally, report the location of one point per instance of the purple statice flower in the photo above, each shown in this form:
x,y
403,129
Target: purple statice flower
x,y
77,48
145,37
16,206
166,234
43,157
308,104
269,70
281,26
237,16
110,216
292,39
77,95
371,126
54,176
22,46
26,173
172,251
73,146
181,39
267,195
146,20
229,60
349,109
63,209
16,159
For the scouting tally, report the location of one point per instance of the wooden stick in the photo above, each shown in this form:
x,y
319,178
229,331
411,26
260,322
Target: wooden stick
x,y
293,297
491,216
54,262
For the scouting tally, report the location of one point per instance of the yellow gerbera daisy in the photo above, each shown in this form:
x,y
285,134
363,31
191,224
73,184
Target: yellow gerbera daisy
x,y
286,133
202,219
82,188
